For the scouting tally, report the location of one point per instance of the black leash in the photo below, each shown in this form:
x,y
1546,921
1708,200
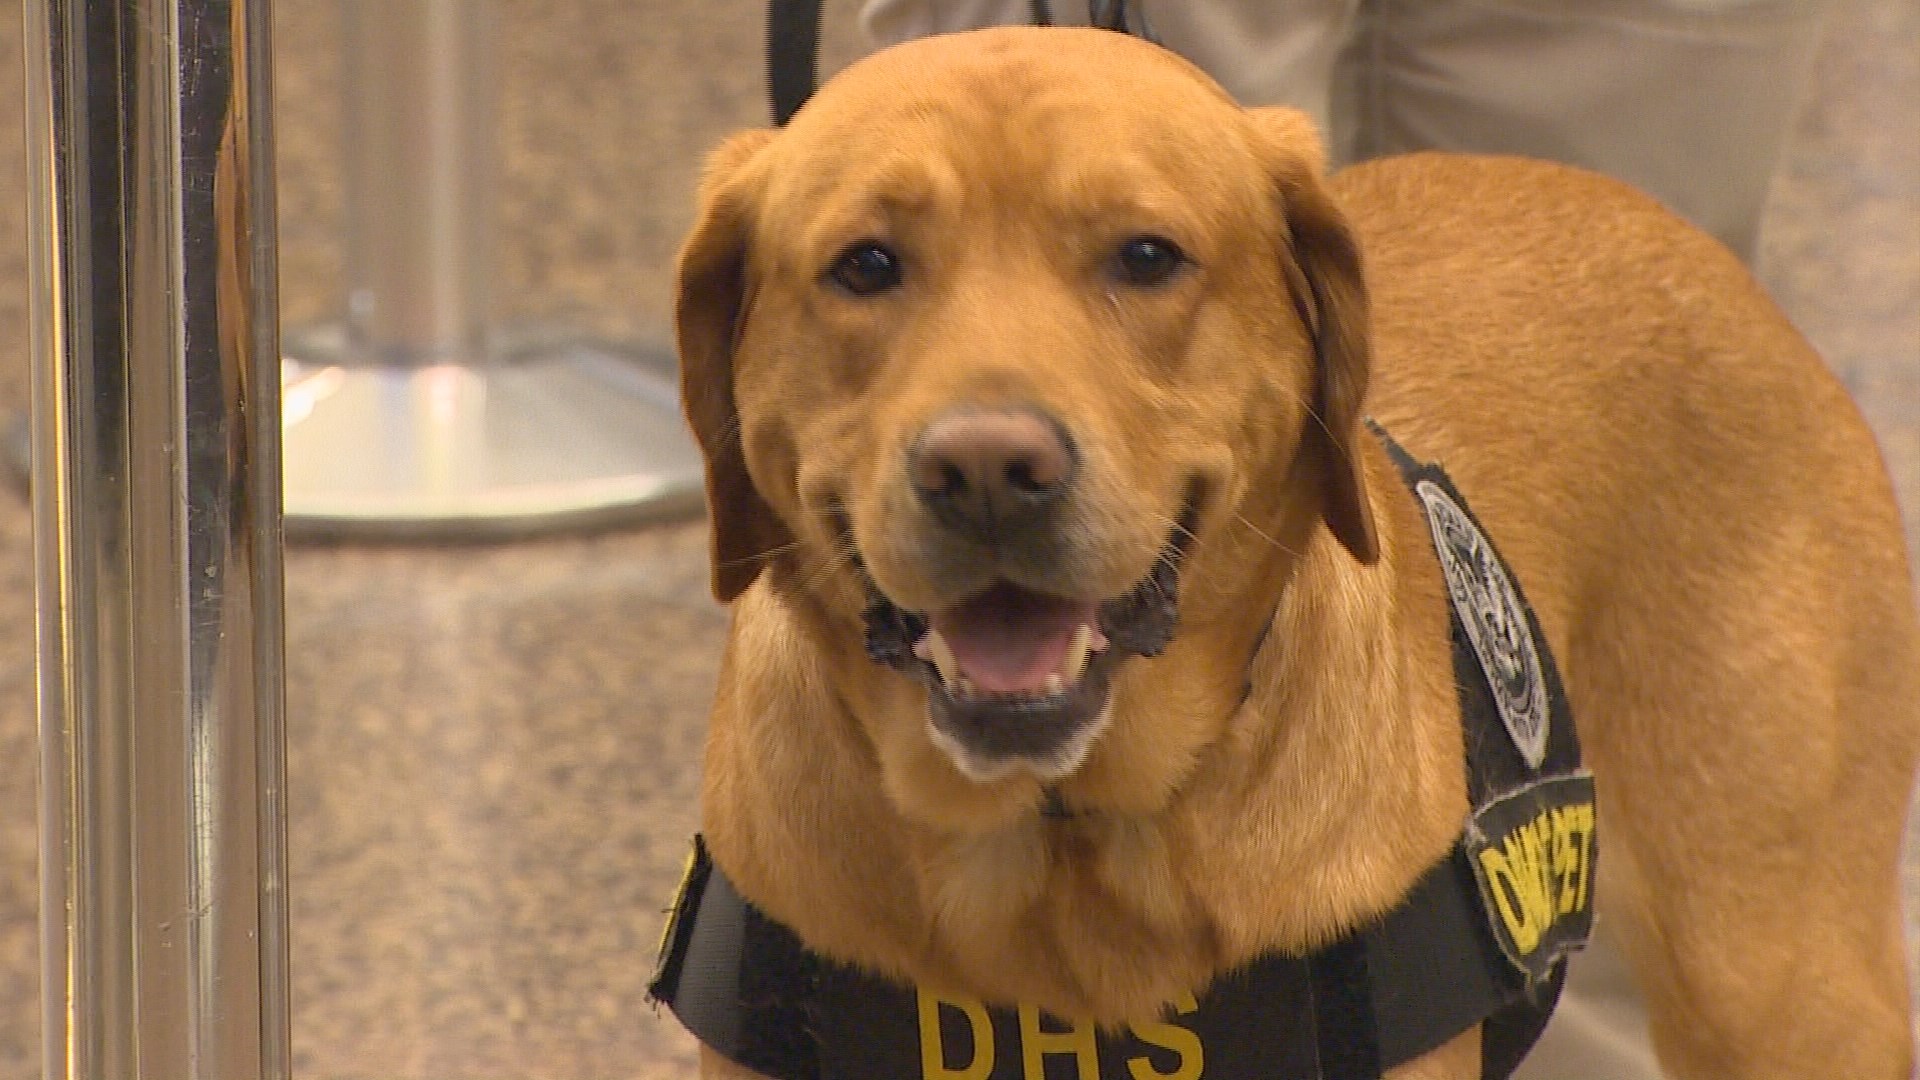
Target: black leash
x,y
1118,15
793,43
793,55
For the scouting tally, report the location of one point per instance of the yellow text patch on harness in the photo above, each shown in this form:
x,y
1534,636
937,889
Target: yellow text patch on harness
x,y
1533,853
1040,1037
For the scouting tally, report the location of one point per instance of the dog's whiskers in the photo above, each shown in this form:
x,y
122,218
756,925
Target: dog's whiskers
x,y
1176,527
837,560
1338,443
760,556
842,555
1256,530
841,558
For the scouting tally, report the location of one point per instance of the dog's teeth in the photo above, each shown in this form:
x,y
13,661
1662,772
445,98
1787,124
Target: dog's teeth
x,y
941,655
1098,641
963,686
1054,685
921,649
1075,662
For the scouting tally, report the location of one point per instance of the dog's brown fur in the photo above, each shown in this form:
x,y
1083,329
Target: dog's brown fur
x,y
1694,507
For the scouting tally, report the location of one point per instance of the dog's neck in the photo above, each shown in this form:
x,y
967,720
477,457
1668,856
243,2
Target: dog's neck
x,y
1207,828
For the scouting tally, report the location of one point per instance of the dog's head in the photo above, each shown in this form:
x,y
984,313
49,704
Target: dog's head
x,y
993,340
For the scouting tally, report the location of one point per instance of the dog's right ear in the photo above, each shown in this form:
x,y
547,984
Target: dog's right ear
x,y
711,308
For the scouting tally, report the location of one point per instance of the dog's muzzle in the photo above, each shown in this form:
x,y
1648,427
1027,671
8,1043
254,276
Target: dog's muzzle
x,y
1020,678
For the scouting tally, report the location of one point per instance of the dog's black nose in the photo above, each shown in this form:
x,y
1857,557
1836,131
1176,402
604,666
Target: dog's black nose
x,y
989,473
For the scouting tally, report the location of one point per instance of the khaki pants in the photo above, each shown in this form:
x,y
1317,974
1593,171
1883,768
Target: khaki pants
x,y
1687,99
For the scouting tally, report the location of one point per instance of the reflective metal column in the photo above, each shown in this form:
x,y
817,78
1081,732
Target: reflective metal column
x,y
156,500
419,414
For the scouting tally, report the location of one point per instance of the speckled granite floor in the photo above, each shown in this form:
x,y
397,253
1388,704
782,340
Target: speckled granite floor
x,y
494,749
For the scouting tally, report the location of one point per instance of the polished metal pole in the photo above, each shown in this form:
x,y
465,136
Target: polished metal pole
x,y
156,419
421,83
419,413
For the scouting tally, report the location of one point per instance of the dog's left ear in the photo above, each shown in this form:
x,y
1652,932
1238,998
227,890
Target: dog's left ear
x,y
1322,265
711,310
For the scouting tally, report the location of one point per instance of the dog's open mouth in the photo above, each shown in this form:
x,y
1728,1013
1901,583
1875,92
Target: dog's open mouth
x,y
1019,677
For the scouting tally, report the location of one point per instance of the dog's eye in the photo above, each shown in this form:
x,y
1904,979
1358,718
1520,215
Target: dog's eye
x,y
1149,260
866,268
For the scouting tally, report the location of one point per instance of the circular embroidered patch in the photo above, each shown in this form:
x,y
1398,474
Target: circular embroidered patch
x,y
1495,620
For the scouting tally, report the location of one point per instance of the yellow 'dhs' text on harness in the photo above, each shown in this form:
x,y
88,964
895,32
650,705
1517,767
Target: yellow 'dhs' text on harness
x,y
1481,938
1163,1042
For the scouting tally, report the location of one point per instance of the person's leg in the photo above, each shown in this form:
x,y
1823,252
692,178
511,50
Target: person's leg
x,y
1687,99
1264,52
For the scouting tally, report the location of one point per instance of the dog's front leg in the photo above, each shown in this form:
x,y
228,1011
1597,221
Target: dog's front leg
x,y
1457,1060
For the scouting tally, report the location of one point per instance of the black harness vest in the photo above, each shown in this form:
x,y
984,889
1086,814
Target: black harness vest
x,y
1480,939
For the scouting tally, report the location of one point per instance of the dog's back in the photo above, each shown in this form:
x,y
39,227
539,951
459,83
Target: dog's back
x,y
1701,517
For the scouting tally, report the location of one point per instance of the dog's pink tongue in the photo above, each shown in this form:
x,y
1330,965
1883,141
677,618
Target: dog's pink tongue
x,y
1008,640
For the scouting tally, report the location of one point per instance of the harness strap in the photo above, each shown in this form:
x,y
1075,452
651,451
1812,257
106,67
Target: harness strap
x,y
793,43
1495,767
747,987
793,52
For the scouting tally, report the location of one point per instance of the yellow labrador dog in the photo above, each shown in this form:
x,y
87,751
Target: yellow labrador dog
x,y
1088,645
